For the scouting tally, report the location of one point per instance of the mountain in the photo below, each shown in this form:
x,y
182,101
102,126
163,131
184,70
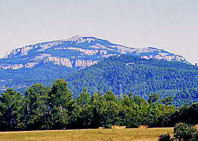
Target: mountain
x,y
48,61
77,52
124,74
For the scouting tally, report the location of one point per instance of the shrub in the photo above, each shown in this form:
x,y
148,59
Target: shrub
x,y
164,137
184,132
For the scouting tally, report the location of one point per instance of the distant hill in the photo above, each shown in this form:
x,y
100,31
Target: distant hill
x,y
124,74
45,62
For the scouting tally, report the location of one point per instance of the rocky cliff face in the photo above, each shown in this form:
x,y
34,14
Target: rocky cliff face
x,y
85,63
76,52
59,61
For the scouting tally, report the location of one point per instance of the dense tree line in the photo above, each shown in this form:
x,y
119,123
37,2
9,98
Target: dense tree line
x,y
56,108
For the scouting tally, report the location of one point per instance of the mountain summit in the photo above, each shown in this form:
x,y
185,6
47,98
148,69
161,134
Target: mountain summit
x,y
76,52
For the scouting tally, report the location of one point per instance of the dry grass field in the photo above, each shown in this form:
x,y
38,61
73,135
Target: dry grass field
x,y
134,134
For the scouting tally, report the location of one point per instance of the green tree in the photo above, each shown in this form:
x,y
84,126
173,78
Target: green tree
x,y
168,100
108,109
11,110
84,98
60,103
184,132
82,115
153,98
36,98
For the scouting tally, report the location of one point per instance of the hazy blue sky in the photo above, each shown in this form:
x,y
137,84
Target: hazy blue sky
x,y
167,24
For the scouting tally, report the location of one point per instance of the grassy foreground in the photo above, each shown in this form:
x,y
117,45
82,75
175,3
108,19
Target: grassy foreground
x,y
134,134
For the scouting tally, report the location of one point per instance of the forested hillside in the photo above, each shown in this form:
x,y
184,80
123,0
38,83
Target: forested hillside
x,y
122,74
21,79
126,73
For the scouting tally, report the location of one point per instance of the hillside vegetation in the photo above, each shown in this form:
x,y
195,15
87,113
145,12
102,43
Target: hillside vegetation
x,y
126,73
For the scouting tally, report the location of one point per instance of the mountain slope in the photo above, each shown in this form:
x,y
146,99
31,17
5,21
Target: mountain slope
x,y
128,73
47,61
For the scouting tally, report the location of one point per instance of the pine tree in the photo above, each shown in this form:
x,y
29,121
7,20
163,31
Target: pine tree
x,y
60,103
36,98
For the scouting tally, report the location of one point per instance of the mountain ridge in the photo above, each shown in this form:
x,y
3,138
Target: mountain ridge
x,y
80,52
47,61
